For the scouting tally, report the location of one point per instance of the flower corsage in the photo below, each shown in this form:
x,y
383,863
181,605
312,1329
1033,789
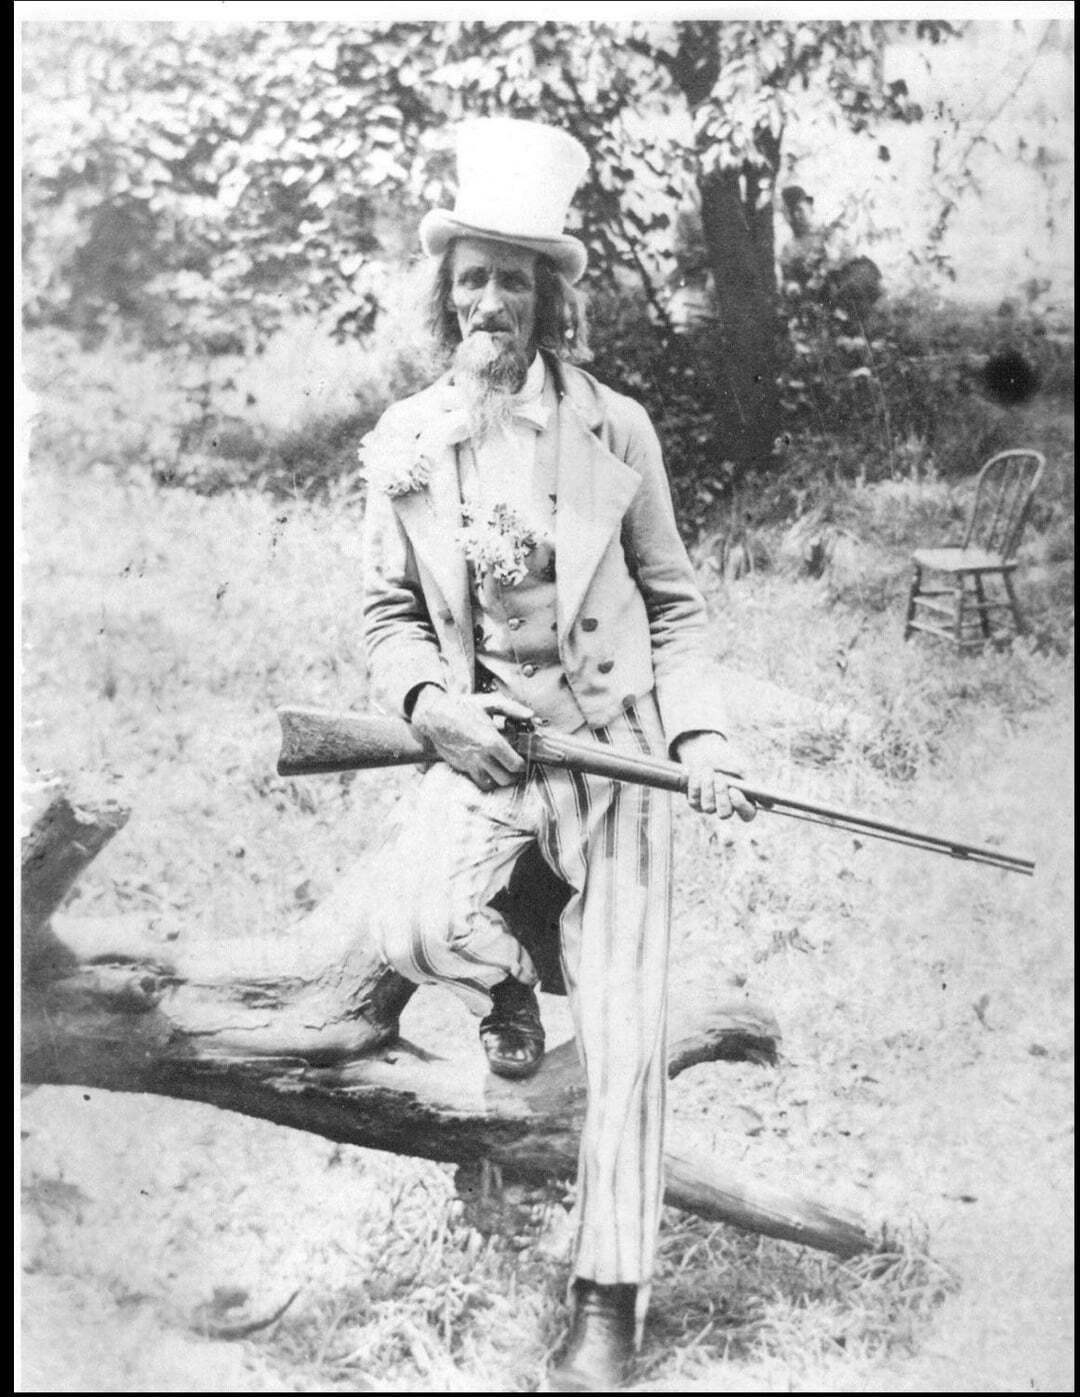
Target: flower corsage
x,y
497,541
393,466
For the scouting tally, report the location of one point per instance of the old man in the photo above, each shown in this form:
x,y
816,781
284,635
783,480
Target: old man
x,y
522,561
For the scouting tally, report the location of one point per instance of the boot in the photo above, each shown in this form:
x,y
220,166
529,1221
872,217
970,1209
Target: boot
x,y
512,1034
600,1346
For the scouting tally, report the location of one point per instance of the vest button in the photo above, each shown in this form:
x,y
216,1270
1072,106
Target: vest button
x,y
606,666
528,671
590,623
515,623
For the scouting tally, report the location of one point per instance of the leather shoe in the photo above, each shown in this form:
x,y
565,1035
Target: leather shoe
x,y
512,1034
600,1347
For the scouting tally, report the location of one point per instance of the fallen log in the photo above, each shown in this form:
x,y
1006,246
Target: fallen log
x,y
303,1031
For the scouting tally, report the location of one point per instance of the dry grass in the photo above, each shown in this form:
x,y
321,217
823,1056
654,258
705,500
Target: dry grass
x,y
927,1072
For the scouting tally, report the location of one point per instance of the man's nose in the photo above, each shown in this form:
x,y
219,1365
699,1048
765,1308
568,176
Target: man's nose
x,y
491,298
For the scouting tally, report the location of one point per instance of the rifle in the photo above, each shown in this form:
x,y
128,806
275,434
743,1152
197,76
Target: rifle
x,y
314,742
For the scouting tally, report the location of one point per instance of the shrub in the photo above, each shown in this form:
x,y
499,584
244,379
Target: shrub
x,y
896,391
107,406
310,459
246,425
910,379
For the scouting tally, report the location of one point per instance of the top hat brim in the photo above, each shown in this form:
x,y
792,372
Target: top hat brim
x,y
438,229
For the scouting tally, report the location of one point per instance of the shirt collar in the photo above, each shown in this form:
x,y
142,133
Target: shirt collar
x,y
533,386
528,404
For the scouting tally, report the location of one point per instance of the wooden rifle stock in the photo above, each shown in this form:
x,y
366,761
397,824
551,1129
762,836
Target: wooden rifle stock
x,y
315,742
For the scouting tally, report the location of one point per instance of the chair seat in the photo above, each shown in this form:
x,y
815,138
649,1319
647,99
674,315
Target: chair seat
x,y
960,560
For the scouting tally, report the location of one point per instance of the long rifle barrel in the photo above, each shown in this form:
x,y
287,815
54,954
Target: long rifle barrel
x,y
554,750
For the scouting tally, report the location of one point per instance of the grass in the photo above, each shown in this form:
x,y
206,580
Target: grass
x,y
927,1069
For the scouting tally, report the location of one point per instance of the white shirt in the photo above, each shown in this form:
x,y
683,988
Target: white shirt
x,y
500,467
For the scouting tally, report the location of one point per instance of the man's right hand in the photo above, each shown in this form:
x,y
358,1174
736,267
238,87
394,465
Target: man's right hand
x,y
460,728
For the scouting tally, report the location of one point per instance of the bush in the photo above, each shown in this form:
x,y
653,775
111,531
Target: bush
x,y
908,385
311,459
107,406
238,425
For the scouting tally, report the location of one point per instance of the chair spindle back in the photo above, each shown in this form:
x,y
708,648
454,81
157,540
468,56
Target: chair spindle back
x,y
1003,495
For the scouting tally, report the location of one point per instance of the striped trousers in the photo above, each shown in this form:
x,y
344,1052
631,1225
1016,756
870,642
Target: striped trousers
x,y
451,854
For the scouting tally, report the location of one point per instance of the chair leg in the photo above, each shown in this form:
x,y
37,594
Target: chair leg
x,y
980,595
959,598
916,583
1018,615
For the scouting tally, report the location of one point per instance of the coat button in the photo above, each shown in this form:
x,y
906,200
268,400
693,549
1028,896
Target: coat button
x,y
628,702
590,623
528,671
446,617
606,666
515,623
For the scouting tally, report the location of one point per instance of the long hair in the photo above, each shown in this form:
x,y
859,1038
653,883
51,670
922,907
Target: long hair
x,y
560,311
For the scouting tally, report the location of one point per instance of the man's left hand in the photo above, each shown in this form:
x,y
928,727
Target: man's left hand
x,y
710,762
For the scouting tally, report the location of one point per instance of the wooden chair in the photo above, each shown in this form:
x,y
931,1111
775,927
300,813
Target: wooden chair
x,y
948,606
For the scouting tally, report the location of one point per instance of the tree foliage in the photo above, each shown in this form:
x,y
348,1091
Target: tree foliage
x,y
200,182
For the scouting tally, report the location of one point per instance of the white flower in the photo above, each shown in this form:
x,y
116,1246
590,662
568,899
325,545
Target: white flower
x,y
497,541
392,466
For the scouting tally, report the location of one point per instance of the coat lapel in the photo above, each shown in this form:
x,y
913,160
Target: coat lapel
x,y
593,490
432,516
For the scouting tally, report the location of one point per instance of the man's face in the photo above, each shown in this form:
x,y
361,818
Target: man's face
x,y
493,291
801,217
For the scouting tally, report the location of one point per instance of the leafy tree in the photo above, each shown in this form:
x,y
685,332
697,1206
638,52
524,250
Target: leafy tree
x,y
202,181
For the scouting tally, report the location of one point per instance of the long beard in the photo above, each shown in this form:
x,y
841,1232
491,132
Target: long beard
x,y
488,374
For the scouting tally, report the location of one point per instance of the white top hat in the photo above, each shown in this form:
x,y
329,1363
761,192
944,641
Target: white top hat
x,y
515,183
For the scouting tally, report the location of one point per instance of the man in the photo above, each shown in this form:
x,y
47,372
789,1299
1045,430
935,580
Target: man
x,y
522,561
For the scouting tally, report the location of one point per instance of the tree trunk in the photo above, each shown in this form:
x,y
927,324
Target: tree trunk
x,y
303,1031
740,242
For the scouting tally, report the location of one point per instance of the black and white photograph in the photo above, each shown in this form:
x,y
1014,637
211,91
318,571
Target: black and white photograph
x,y
544,697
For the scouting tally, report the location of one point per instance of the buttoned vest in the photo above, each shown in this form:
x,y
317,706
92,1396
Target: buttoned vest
x,y
514,624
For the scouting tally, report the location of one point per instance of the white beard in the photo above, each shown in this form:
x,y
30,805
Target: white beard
x,y
488,374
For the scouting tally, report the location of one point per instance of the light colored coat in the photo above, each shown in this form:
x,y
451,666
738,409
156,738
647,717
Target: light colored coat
x,y
630,616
